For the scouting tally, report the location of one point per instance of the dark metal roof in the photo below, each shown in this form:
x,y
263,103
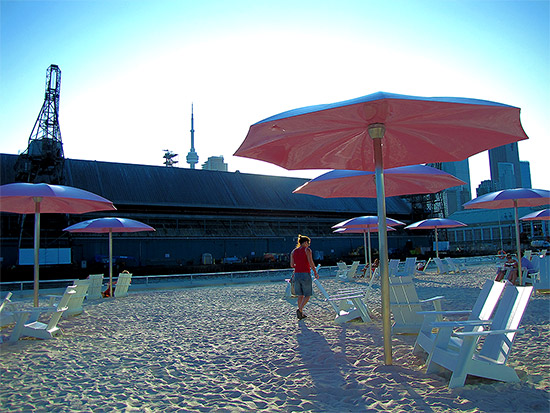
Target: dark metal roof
x,y
144,185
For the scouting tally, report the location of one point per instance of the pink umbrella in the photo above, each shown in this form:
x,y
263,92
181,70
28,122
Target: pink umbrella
x,y
435,223
365,225
511,198
365,230
404,180
109,225
378,130
542,215
25,198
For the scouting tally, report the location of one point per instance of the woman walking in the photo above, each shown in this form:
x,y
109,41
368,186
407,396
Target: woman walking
x,y
301,260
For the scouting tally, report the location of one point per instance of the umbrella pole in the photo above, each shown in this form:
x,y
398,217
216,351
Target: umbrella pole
x,y
110,262
37,201
370,257
518,245
376,132
436,244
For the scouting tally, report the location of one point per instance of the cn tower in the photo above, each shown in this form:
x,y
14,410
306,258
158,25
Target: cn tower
x,y
192,157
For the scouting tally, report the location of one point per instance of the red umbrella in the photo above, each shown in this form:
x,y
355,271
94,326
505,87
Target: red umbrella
x,y
109,225
404,180
380,130
511,198
435,223
542,215
365,225
26,198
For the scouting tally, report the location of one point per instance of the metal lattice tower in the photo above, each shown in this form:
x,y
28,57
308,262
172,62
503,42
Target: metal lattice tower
x,y
428,205
43,159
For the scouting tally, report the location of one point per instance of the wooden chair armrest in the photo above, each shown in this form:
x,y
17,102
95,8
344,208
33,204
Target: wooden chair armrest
x,y
453,324
445,312
487,332
427,300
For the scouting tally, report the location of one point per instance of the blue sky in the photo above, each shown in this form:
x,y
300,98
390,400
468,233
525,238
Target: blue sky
x,y
132,69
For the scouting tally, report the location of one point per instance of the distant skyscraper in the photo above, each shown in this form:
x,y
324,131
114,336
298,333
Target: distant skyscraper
x,y
192,157
215,163
505,166
525,174
457,196
486,187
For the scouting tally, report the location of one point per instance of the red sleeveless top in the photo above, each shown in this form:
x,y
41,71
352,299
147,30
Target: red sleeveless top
x,y
301,264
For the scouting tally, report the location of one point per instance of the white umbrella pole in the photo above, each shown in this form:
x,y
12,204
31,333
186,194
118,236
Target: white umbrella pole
x,y
365,246
370,257
110,262
37,201
376,132
518,245
436,244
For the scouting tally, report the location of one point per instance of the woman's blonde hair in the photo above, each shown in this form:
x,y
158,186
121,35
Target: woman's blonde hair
x,y
302,239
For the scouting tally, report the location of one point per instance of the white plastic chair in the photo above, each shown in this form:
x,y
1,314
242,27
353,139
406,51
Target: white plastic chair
x,y
487,358
482,310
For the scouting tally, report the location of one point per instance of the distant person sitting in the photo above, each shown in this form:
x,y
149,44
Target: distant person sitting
x,y
510,267
528,265
374,266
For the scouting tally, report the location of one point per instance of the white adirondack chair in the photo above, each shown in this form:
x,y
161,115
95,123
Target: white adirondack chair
x,y
342,269
485,359
122,284
442,267
7,309
542,281
409,268
482,310
94,290
39,329
393,268
349,273
405,305
453,266
347,304
74,305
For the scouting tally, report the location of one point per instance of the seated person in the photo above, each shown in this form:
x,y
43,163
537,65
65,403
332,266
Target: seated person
x,y
366,267
510,264
527,264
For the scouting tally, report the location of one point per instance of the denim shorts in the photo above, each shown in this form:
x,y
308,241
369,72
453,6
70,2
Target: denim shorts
x,y
302,284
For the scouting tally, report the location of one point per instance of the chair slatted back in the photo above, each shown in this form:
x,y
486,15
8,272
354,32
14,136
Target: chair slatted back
x,y
507,316
404,301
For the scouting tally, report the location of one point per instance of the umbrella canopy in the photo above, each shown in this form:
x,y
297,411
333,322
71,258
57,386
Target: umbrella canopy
x,y
22,198
366,221
404,180
435,223
109,225
511,198
380,130
417,129
364,224
26,198
542,215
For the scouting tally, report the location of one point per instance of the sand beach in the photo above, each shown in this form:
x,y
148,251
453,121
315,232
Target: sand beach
x,y
239,347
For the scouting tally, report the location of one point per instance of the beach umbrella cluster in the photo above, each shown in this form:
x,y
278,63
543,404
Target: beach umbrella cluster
x,y
511,198
378,131
27,198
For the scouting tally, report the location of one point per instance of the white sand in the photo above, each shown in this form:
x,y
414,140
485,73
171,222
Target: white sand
x,y
240,348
